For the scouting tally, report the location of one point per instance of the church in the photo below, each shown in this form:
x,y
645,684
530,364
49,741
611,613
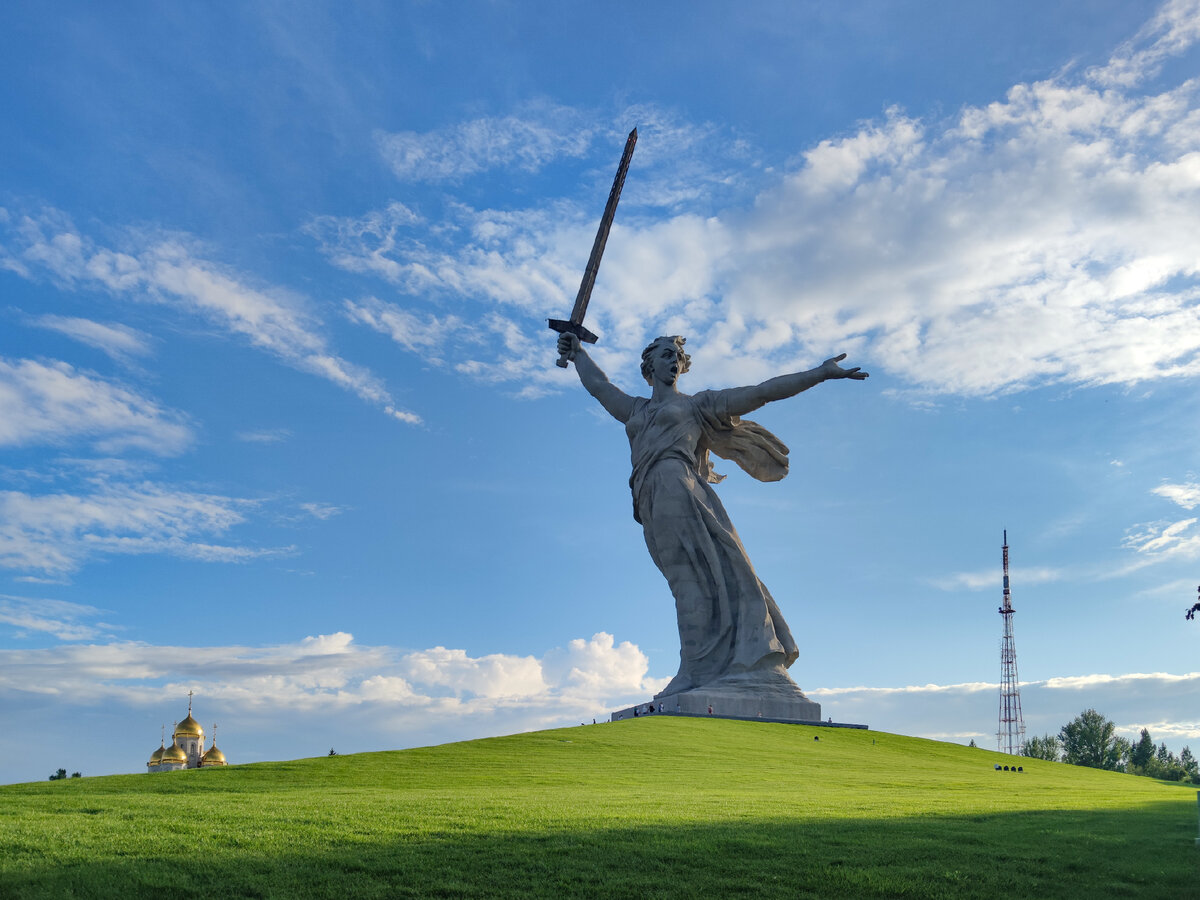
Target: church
x,y
187,748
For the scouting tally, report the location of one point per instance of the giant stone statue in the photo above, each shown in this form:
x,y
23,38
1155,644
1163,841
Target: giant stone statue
x,y
735,646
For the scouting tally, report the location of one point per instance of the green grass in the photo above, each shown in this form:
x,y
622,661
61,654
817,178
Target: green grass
x,y
652,807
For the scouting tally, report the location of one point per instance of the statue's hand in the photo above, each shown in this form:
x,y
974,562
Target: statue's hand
x,y
830,369
568,345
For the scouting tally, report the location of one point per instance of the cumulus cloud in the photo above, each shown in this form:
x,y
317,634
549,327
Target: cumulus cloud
x,y
54,403
331,672
57,533
275,698
168,269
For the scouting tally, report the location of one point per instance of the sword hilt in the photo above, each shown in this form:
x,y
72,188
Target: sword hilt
x,y
564,327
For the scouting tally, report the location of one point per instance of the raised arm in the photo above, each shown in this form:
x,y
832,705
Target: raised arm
x,y
618,404
747,399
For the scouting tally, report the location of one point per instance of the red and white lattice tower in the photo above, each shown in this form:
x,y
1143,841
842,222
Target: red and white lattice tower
x,y
1010,738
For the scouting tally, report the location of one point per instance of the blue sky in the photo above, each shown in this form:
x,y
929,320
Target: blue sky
x,y
280,423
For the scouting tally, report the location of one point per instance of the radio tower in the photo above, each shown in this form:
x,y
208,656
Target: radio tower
x,y
1011,736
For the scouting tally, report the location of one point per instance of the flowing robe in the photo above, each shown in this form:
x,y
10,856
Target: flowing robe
x,y
729,625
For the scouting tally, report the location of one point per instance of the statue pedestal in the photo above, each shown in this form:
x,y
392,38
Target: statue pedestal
x,y
744,703
769,694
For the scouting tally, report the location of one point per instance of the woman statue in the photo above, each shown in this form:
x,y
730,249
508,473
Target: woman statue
x,y
731,633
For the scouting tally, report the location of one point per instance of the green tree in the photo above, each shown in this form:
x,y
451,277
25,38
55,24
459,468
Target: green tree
x,y
1090,740
1189,765
1044,747
1123,750
59,775
1143,752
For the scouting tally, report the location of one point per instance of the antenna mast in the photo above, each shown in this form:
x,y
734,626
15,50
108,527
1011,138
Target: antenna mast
x,y
1010,737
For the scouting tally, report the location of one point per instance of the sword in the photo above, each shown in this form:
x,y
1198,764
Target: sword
x,y
574,325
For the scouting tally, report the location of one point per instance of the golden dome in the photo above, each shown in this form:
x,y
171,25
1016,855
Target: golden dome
x,y
174,753
189,727
213,757
157,755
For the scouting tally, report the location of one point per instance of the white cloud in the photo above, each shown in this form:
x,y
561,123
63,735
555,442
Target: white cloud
x,y
118,341
961,712
54,403
1174,28
1185,495
58,618
57,533
284,700
1164,540
322,510
264,436
469,148
333,672
1045,238
168,270
992,578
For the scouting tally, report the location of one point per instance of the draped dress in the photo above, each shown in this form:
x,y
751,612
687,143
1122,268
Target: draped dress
x,y
729,625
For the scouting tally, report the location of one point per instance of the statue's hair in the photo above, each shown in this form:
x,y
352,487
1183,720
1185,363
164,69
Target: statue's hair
x,y
685,361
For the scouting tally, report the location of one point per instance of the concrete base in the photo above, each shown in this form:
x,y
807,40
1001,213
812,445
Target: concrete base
x,y
744,703
767,694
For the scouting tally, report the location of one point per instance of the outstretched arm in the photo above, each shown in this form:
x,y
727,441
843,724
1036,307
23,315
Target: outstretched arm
x,y
747,399
618,404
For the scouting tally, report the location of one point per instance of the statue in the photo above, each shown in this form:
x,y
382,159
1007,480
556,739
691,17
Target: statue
x,y
735,646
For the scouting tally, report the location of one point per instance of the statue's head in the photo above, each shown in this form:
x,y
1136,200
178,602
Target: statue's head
x,y
654,350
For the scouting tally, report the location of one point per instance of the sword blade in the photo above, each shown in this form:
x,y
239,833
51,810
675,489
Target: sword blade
x,y
610,210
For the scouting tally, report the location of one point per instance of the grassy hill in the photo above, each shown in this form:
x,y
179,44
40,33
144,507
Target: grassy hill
x,y
650,807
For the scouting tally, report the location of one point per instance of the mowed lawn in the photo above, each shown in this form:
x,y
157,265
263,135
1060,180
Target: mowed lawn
x,y
650,807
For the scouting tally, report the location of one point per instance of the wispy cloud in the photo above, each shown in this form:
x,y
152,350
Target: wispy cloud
x,y
1174,28
57,618
322,510
119,341
169,269
57,533
991,578
960,712
1157,541
1047,233
524,142
1185,495
54,403
264,436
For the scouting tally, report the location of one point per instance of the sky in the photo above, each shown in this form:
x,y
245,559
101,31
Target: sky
x,y
280,423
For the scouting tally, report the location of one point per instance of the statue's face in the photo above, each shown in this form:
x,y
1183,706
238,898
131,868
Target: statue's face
x,y
664,363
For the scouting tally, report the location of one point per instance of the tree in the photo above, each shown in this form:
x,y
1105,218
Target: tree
x,y
76,774
59,775
1143,752
1123,750
1090,740
1045,747
1189,765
